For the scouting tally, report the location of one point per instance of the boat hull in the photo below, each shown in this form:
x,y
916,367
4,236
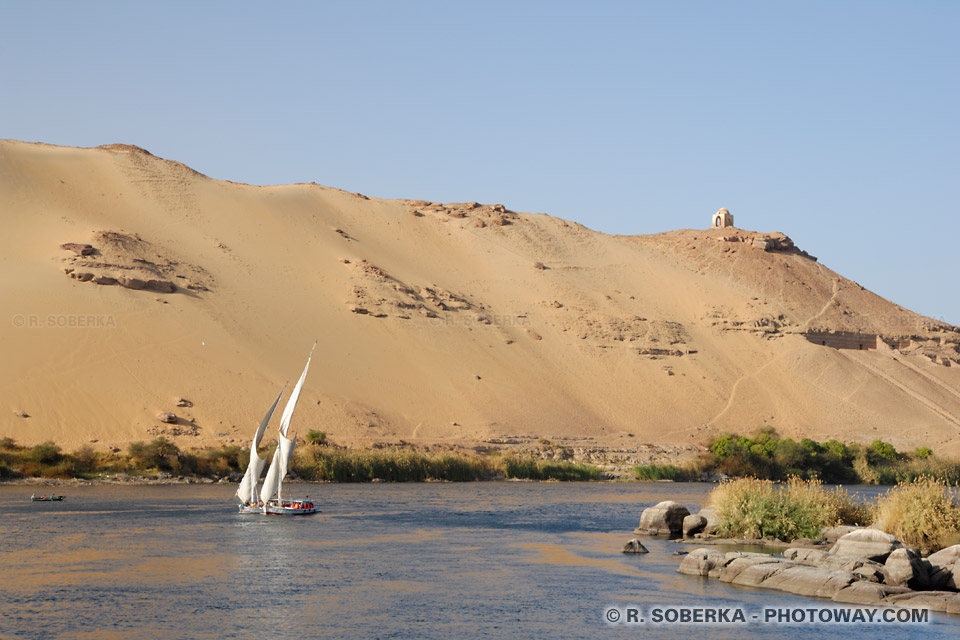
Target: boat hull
x,y
250,508
286,509
289,509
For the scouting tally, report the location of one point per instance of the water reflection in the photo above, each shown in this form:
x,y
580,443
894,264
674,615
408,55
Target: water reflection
x,y
381,561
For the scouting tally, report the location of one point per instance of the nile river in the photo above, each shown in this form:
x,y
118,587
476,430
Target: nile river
x,y
459,561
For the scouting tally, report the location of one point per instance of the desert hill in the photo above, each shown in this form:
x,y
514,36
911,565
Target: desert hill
x,y
437,323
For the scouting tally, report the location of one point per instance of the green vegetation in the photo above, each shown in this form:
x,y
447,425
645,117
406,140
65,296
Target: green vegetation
x,y
316,437
527,468
161,455
923,514
767,455
753,508
653,472
315,460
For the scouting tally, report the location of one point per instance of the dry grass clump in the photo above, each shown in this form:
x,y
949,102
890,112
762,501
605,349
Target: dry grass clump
x,y
924,513
753,508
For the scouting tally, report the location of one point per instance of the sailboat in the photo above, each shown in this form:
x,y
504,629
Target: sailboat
x,y
270,499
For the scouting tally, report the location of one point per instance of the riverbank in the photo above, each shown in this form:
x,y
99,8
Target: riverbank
x,y
162,462
766,455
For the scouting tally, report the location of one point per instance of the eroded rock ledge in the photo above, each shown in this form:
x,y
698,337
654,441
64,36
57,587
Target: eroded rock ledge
x,y
127,260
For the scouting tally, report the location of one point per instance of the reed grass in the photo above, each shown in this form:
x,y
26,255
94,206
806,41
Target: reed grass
x,y
314,462
754,508
923,514
655,472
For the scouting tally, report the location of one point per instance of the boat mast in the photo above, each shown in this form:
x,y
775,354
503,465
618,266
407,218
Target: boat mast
x,y
281,457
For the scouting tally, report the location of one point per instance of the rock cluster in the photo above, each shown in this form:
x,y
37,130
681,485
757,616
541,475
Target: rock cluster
x,y
894,575
872,544
482,214
672,518
133,263
943,568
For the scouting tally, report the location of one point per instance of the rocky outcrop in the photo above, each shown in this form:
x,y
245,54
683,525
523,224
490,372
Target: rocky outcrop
x,y
943,568
793,576
862,568
868,593
810,581
133,263
665,518
634,547
905,568
872,544
943,601
78,248
694,523
712,525
764,570
832,534
703,562
167,417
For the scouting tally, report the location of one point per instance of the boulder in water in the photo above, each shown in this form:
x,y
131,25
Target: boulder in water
x,y
665,518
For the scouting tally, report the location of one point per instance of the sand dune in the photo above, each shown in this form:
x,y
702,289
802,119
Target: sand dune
x,y
456,323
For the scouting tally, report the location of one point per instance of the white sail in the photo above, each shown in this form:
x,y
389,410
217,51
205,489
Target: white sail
x,y
247,491
278,466
248,486
286,452
277,470
292,402
270,481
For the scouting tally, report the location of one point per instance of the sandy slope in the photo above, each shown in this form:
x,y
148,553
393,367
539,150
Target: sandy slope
x,y
434,322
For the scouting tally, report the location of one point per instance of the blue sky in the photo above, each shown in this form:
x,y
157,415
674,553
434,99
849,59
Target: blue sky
x,y
834,122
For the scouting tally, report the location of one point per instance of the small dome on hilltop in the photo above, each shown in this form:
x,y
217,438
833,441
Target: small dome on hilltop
x,y
722,218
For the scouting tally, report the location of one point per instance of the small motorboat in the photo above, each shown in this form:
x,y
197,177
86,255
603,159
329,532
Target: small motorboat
x,y
46,498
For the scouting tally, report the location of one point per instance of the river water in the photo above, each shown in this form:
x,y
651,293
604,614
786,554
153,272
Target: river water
x,y
465,561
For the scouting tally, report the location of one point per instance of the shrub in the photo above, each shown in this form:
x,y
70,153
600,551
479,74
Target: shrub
x,y
923,514
881,450
753,508
46,453
221,461
316,437
792,457
85,459
159,454
766,455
